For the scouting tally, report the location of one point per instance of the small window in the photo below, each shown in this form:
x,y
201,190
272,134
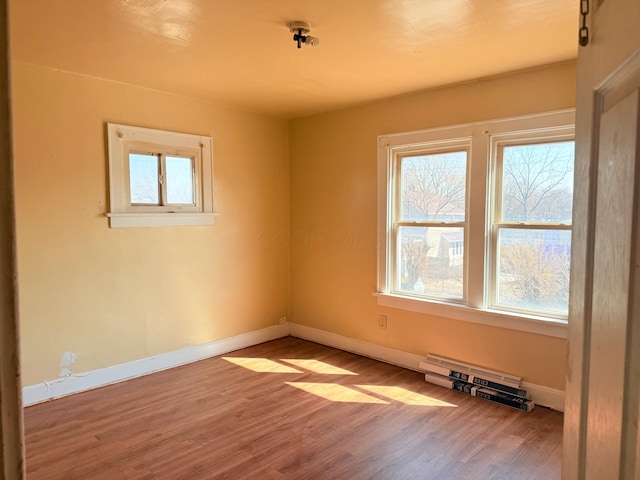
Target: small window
x,y
159,178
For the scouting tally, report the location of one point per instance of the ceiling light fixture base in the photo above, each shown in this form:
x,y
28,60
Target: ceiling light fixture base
x,y
300,30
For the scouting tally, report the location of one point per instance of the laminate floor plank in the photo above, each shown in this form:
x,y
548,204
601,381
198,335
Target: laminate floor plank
x,y
287,409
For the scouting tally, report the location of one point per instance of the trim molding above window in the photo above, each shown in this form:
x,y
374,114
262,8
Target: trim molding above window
x,y
464,211
159,178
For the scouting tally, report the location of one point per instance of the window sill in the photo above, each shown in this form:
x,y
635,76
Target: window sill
x,y
530,324
163,219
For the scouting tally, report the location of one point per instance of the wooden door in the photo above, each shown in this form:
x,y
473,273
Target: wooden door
x,y
601,434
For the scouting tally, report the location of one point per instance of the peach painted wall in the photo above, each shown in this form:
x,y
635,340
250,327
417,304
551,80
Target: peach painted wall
x,y
333,221
114,295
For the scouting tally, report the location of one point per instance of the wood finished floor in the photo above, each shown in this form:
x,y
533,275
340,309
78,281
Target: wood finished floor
x,y
297,419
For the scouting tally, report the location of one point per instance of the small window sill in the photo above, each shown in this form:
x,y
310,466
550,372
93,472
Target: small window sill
x,y
530,324
160,219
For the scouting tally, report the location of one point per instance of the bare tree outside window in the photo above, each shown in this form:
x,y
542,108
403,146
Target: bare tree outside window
x,y
433,187
537,183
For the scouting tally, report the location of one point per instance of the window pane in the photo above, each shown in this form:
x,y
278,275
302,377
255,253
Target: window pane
x,y
432,187
179,172
143,179
431,261
533,269
538,182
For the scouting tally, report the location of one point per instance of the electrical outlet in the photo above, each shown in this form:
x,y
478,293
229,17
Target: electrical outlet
x,y
382,321
282,320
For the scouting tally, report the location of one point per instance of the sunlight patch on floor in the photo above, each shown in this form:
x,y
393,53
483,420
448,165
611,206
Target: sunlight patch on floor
x,y
405,396
316,366
336,393
261,365
333,391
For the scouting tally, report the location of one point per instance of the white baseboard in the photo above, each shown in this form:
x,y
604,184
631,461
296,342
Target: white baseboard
x,y
541,395
371,350
545,396
80,382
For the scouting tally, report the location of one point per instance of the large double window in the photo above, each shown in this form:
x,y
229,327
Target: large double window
x,y
475,221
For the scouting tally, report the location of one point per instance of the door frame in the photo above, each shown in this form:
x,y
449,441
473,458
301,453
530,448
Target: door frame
x,y
605,75
11,423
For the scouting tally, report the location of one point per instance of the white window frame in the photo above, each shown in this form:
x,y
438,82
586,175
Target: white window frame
x,y
481,171
126,139
427,148
495,222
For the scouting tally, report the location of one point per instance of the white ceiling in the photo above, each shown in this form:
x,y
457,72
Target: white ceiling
x,y
240,52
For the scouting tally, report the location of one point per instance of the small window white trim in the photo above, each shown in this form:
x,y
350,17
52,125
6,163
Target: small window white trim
x,y
159,219
476,309
123,139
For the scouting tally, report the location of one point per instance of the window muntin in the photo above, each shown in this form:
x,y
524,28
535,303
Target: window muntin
x,y
531,237
479,243
429,222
